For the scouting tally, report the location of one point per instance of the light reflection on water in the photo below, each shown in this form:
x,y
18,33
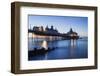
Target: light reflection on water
x,y
44,44
65,49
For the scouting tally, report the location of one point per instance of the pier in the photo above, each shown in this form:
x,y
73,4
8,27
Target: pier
x,y
43,36
53,32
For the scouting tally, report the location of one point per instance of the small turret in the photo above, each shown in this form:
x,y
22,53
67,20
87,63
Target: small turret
x,y
71,30
52,27
46,28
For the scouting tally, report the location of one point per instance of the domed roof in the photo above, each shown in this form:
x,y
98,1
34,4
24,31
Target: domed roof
x,y
71,31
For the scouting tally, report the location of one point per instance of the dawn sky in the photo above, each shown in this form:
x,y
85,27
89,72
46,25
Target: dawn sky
x,y
62,23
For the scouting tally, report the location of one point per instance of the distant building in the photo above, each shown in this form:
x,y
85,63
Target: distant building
x,y
54,32
72,35
35,28
51,30
46,30
41,28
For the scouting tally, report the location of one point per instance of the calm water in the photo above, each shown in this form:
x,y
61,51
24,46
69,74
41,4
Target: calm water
x,y
65,49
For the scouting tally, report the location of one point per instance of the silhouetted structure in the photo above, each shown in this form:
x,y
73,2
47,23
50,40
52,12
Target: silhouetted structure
x,y
72,35
53,32
35,28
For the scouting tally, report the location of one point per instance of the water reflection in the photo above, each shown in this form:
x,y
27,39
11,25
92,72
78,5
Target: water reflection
x,y
64,49
72,47
73,43
44,44
46,56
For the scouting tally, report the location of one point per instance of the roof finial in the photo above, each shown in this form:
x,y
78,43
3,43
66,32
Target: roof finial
x,y
71,30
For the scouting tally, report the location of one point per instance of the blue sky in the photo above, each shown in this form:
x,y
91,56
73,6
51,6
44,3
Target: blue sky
x,y
62,23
